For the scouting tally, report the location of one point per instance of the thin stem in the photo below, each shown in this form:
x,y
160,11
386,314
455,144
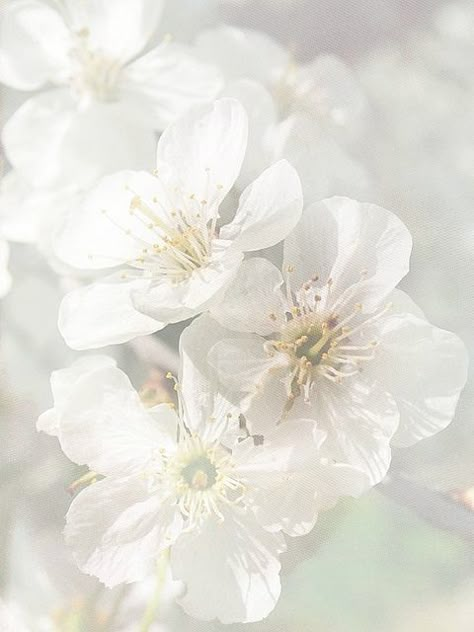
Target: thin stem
x,y
152,609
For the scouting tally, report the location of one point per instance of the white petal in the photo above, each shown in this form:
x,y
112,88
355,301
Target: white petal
x,y
205,149
281,475
236,562
104,425
243,53
121,29
104,233
241,363
38,128
324,166
24,210
34,45
207,408
339,479
167,81
268,210
293,503
254,302
288,447
63,382
116,529
401,303
262,114
265,407
172,303
425,369
253,379
289,505
360,419
76,146
343,239
103,314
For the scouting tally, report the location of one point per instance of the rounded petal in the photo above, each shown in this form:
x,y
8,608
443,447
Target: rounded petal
x,y
208,409
351,243
243,53
116,530
294,502
253,379
104,233
254,302
268,210
205,149
424,368
266,405
63,382
121,29
76,146
172,303
241,362
25,211
34,45
37,128
281,475
105,426
262,113
236,562
289,447
103,314
167,81
324,166
360,419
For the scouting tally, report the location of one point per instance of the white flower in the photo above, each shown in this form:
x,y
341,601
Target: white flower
x,y
325,88
179,481
103,100
340,345
303,113
30,215
162,233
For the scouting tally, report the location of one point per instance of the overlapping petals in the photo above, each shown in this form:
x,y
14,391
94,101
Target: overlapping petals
x,y
162,231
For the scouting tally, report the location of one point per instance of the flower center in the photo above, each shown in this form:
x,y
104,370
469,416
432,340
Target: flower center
x,y
322,341
200,474
203,479
174,233
180,239
94,74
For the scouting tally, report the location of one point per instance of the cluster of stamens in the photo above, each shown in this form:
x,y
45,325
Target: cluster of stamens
x,y
177,234
293,95
324,341
200,475
94,74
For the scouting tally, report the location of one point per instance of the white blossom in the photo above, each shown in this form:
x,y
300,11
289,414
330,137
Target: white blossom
x,y
180,481
340,344
161,236
102,99
306,113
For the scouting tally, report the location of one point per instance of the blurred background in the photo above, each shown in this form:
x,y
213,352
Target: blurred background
x,y
402,558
